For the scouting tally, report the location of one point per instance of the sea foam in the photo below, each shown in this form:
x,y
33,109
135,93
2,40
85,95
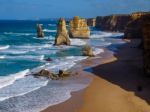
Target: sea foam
x,y
4,47
47,30
8,80
78,42
18,34
100,34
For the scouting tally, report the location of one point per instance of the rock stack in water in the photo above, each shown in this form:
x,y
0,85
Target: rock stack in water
x,y
79,28
40,33
87,51
62,37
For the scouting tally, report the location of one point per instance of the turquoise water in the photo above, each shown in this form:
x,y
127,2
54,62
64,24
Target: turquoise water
x,y
25,50
21,53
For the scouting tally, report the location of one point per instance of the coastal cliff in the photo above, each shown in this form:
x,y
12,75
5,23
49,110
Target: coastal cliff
x,y
134,26
146,36
79,28
62,37
115,23
130,24
91,22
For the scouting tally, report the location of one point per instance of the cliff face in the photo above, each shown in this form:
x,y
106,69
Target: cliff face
x,y
62,37
40,33
146,36
91,22
112,22
134,27
79,28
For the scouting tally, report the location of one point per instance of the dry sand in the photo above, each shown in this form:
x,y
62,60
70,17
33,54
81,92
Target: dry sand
x,y
115,85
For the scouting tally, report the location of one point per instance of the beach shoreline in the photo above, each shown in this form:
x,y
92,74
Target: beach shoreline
x,y
103,95
76,101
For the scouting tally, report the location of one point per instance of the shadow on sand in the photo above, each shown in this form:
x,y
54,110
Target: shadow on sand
x,y
127,71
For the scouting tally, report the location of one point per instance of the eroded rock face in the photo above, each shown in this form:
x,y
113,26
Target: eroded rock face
x,y
62,37
40,33
115,23
134,26
79,28
87,51
146,35
91,22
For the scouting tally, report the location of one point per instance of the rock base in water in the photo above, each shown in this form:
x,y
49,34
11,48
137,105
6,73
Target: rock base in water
x,y
53,76
87,51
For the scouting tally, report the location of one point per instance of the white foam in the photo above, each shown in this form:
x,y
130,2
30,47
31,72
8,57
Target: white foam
x,y
60,64
12,91
52,24
78,42
97,51
56,91
46,37
47,30
8,80
4,47
22,87
34,46
100,34
19,34
2,57
15,51
26,57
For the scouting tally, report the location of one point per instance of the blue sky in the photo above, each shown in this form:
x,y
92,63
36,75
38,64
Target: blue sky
x,y
31,9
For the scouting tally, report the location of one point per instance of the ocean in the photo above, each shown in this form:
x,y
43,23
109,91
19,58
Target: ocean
x,y
22,54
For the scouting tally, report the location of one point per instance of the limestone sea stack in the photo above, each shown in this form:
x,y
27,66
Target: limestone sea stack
x,y
79,28
40,33
62,37
87,51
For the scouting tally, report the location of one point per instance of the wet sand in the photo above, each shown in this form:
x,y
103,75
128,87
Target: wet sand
x,y
118,85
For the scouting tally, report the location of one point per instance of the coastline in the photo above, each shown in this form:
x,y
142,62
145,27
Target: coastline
x,y
76,101
106,95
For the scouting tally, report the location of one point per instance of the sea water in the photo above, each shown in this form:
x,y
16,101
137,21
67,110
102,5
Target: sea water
x,y
21,54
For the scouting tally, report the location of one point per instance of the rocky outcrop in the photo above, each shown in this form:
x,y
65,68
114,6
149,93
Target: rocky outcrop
x,y
40,33
79,28
46,73
53,76
134,27
146,36
91,22
87,51
115,23
62,37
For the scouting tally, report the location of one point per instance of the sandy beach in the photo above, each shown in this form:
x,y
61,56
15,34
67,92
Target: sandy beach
x,y
115,85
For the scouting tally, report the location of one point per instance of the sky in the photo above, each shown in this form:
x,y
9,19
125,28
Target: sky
x,y
35,9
